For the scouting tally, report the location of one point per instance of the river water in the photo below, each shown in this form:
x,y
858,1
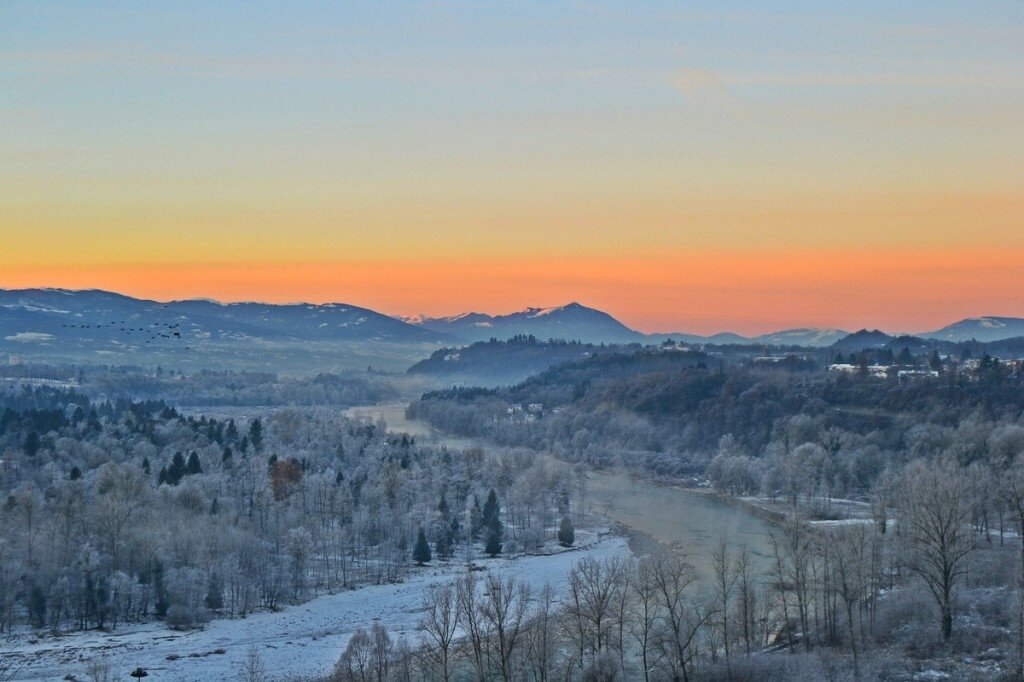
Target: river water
x,y
693,521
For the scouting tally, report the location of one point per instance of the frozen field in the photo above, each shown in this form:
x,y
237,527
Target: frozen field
x,y
299,640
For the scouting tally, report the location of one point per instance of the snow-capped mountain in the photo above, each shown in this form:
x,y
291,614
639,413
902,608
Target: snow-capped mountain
x,y
803,337
572,322
980,329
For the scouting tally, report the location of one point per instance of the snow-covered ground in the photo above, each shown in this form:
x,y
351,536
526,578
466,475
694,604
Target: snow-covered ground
x,y
299,640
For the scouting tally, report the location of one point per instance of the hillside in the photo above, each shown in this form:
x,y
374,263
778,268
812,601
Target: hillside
x,y
980,329
100,326
492,363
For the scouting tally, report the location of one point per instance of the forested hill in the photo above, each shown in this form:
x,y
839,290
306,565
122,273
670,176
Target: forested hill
x,y
673,412
494,362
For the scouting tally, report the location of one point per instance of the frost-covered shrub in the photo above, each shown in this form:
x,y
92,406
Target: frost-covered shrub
x,y
995,608
182,617
606,667
908,617
761,668
996,567
532,539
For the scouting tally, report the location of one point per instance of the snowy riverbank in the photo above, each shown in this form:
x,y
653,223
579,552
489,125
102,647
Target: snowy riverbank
x,y
300,640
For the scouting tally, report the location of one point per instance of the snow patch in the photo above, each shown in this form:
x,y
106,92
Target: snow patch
x,y
298,641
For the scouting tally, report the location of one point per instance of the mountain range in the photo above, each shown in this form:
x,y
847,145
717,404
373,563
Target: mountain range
x,y
100,326
94,324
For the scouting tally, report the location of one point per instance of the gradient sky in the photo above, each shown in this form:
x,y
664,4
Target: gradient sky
x,y
685,166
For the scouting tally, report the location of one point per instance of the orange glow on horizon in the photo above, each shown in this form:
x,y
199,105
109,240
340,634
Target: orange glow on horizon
x,y
695,291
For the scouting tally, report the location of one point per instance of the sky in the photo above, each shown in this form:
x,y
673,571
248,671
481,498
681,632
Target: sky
x,y
685,166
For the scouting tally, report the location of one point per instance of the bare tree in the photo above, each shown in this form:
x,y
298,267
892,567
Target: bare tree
x,y
594,587
252,668
684,615
504,608
356,662
725,582
440,624
542,636
473,624
934,525
645,615
745,583
1013,493
849,554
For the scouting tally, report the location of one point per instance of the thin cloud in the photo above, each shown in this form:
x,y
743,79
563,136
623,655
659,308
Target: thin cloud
x,y
694,81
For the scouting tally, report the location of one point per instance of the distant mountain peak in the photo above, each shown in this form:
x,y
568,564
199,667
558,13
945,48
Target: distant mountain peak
x,y
984,328
571,322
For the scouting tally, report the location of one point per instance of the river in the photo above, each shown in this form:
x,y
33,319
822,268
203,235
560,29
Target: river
x,y
693,521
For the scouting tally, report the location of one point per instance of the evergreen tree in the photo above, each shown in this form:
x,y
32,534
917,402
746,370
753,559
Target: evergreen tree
x,y
32,444
176,471
454,531
256,433
160,604
491,508
566,532
193,467
491,519
443,547
75,474
231,433
214,592
421,552
476,523
493,546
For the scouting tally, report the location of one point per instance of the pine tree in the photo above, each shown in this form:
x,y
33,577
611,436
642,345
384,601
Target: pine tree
x,y
566,532
231,434
492,524
491,507
493,546
214,593
256,433
476,522
176,471
193,467
32,444
160,605
454,532
421,552
442,547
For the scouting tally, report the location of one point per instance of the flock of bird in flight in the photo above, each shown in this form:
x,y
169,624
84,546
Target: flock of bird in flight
x,y
154,334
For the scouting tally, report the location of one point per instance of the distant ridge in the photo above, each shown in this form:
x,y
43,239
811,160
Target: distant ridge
x,y
982,329
571,322
100,326
95,321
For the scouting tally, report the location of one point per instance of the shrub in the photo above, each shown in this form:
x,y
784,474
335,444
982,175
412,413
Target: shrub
x,y
180,617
